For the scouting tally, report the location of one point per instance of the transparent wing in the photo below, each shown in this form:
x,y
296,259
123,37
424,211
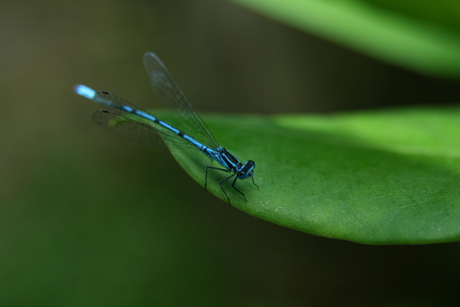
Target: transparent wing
x,y
172,97
131,126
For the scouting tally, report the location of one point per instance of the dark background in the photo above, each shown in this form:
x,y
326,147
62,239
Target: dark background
x,y
89,219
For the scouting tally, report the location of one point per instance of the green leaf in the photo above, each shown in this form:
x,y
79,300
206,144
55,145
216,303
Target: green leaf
x,y
420,35
380,177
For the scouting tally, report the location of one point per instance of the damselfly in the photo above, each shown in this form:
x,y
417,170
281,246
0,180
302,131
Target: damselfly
x,y
129,121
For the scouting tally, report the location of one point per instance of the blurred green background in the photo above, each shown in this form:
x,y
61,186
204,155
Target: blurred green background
x,y
89,219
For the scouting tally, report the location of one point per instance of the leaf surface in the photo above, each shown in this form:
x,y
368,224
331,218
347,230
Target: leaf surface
x,y
376,177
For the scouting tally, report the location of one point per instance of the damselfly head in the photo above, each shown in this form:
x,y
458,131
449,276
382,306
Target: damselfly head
x,y
247,170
